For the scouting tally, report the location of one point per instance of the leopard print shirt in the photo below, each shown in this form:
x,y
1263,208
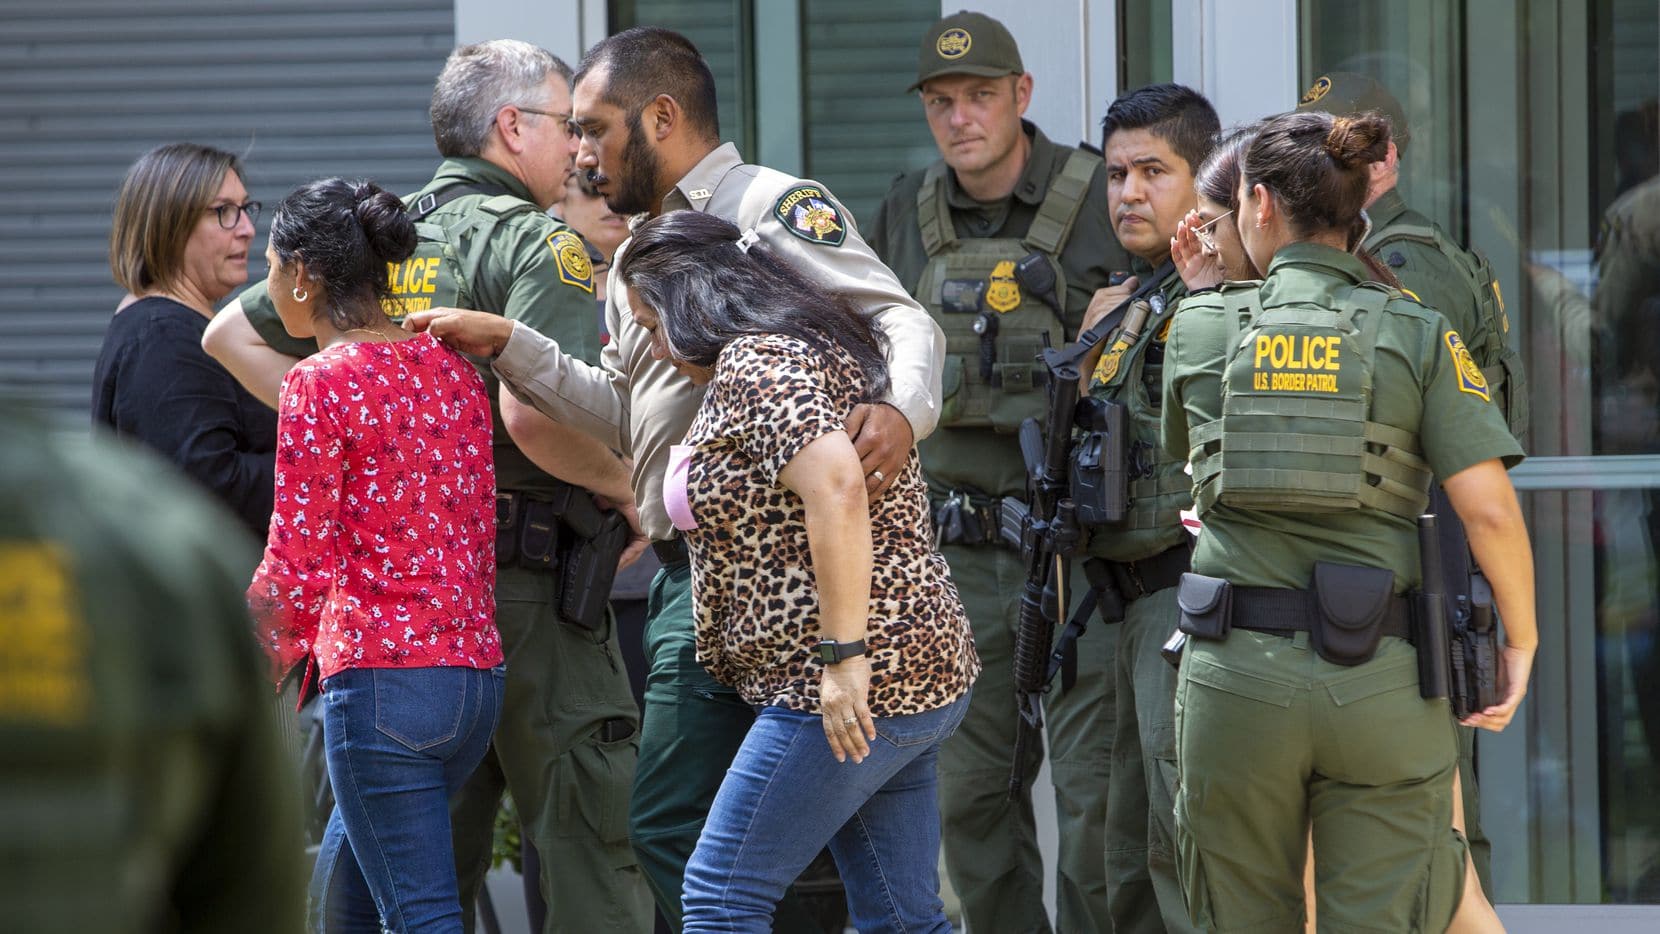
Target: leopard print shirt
x,y
752,573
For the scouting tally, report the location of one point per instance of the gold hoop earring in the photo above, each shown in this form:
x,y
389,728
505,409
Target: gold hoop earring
x,y
301,295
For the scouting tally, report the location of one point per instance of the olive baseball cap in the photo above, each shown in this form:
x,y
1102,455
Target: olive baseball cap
x,y
1341,93
967,43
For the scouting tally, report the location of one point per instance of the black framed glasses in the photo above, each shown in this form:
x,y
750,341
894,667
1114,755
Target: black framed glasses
x,y
229,214
564,119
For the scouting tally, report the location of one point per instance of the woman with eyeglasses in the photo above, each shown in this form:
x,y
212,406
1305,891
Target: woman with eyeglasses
x,y
179,245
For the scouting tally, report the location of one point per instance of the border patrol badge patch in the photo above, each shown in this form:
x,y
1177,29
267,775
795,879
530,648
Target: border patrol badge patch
x,y
808,213
1470,379
1003,292
1320,88
953,43
572,257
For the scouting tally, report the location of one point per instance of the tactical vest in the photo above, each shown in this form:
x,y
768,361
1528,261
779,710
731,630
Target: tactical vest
x,y
441,271
1296,433
1500,365
970,282
1158,486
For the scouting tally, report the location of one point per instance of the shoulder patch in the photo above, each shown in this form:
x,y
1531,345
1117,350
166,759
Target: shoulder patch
x,y
1320,88
1412,295
572,257
808,212
1470,379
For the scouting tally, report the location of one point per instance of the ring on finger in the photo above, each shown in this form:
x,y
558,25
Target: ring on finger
x,y
880,477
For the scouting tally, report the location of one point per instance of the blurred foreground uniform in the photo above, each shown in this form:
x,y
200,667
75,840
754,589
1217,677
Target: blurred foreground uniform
x,y
142,784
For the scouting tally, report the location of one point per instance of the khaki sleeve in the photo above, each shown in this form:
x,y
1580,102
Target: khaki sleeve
x,y
591,399
262,314
916,345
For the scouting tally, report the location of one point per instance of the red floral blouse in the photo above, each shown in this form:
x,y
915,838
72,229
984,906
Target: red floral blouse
x,y
381,552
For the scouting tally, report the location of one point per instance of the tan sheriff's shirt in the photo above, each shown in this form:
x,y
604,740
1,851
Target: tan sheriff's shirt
x,y
641,406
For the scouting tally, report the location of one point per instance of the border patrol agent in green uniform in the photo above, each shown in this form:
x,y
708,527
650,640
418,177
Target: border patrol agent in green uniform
x,y
1458,283
567,740
144,783
1004,241
1154,138
1316,409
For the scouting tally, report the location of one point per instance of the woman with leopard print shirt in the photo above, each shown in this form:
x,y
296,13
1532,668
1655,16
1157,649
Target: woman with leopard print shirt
x,y
833,616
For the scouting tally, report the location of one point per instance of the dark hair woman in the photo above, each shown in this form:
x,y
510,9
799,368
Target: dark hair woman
x,y
379,572
179,245
833,616
1317,408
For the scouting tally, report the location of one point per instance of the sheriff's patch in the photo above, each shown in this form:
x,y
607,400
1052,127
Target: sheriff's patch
x,y
953,43
1320,88
572,257
808,212
1470,379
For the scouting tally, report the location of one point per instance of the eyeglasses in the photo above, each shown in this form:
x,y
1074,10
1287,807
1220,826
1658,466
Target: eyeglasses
x,y
565,119
1207,237
229,214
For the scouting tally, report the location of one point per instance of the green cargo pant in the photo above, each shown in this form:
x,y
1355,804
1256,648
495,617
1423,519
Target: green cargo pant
x,y
693,727
1270,738
1142,889
570,787
1481,848
990,842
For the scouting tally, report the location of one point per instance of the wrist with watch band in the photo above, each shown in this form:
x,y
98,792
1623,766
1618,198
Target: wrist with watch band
x,y
834,653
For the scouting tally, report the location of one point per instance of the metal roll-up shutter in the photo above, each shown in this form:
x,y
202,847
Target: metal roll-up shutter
x,y
301,88
862,128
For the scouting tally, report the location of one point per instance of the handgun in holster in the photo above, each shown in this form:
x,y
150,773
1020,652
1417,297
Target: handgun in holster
x,y
588,564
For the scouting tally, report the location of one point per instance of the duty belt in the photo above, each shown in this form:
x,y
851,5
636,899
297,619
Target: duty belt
x,y
1282,611
965,517
671,551
1137,579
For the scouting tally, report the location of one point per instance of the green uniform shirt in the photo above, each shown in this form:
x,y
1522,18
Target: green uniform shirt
x,y
143,784
522,276
1416,387
1426,272
976,458
1628,290
1158,485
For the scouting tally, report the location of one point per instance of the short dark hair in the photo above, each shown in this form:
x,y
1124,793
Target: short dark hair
x,y
708,292
347,232
1174,113
645,61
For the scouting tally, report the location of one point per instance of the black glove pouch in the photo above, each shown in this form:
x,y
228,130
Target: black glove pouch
x,y
1353,602
1207,606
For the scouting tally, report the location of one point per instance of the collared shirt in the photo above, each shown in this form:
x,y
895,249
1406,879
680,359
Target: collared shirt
x,y
641,406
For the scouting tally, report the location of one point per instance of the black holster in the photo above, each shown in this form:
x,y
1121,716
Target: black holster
x,y
568,535
1099,465
1474,652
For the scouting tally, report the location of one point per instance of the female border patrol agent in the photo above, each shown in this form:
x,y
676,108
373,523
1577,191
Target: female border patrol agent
x,y
1316,408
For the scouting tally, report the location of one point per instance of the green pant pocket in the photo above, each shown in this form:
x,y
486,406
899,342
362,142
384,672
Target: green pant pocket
x,y
595,780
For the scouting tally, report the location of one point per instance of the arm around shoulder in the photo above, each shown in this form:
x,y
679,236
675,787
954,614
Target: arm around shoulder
x,y
232,340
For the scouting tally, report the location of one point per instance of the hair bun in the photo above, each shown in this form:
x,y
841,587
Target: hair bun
x,y
1359,139
386,226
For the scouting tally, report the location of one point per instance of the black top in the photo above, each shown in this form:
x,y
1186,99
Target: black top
x,y
153,382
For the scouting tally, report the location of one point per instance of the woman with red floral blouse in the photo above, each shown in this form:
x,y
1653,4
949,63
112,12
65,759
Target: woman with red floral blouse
x,y
379,570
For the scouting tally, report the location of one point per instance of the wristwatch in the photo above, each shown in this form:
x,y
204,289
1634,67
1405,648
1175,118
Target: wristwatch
x,y
834,653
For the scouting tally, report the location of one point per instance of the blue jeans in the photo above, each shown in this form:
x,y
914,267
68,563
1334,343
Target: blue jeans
x,y
786,796
399,742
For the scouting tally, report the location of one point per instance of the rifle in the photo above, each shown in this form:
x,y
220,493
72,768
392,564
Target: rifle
x,y
1047,531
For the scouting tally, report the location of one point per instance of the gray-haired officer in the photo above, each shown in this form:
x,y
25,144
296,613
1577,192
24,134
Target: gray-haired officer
x,y
567,740
144,783
965,235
